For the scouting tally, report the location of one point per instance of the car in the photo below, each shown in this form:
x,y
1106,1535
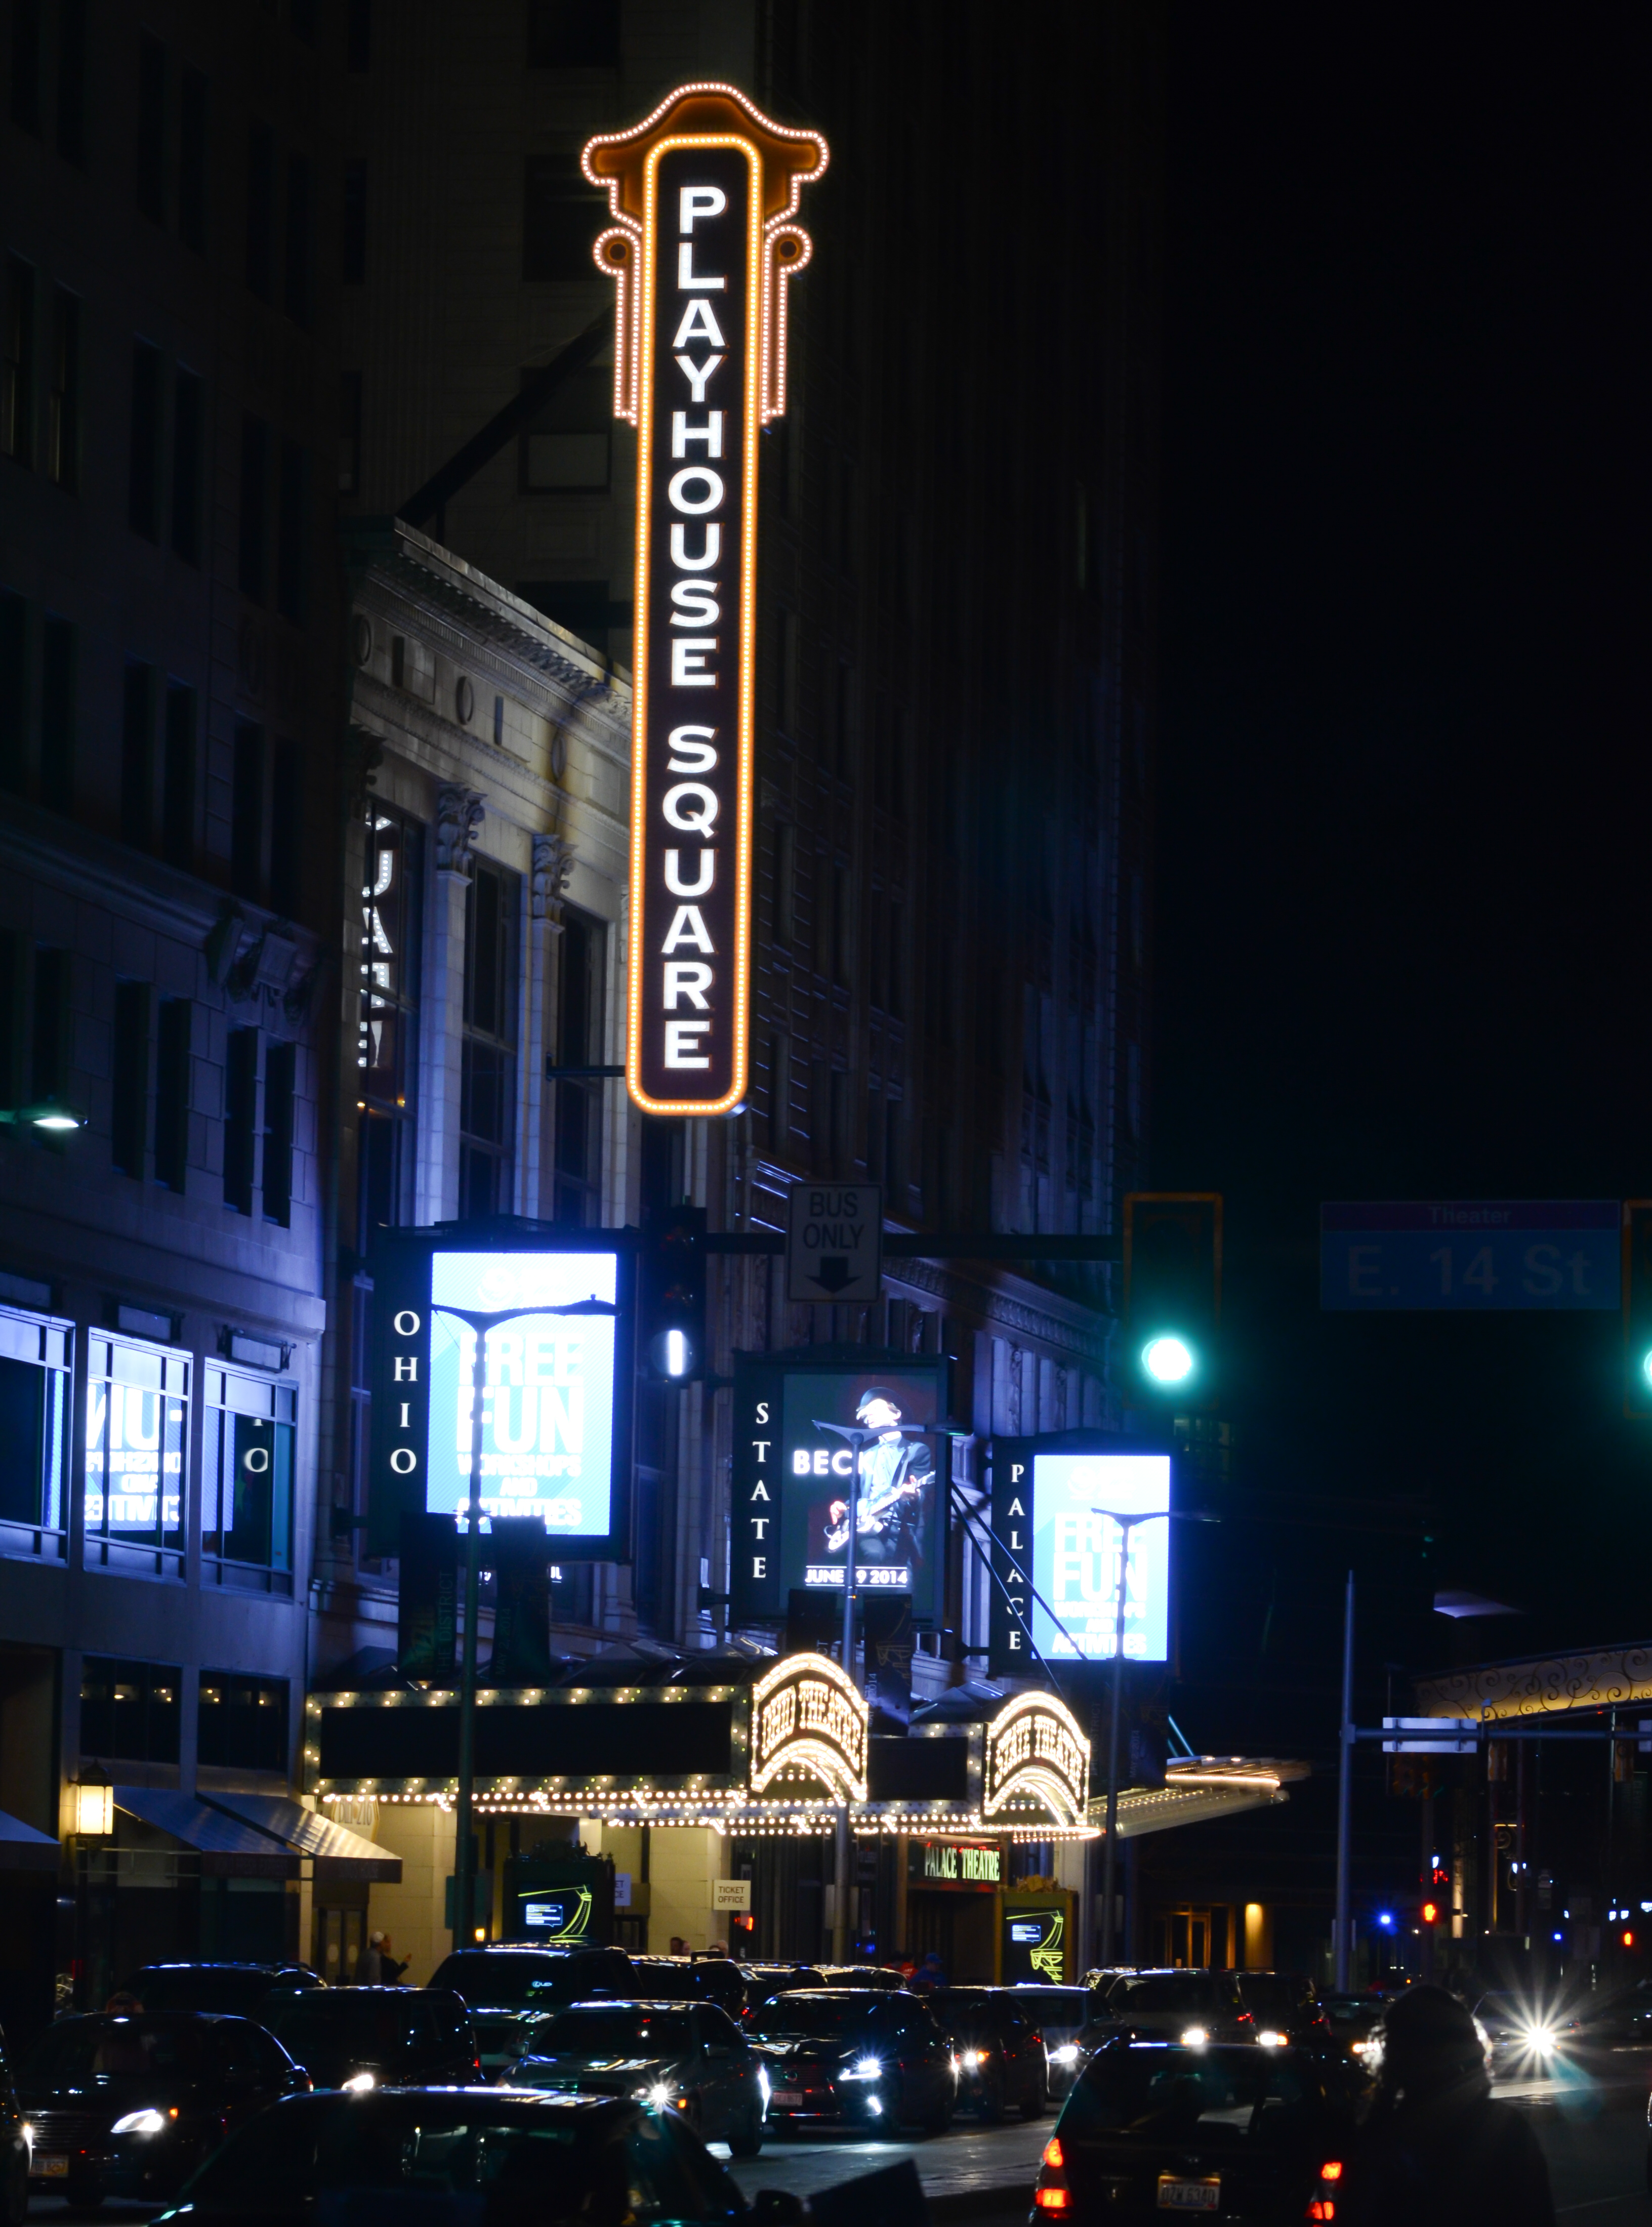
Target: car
x,y
861,1975
763,1980
1192,2006
1061,2015
1284,2006
130,2106
690,1979
687,2058
490,2156
1523,2038
236,1987
854,2057
999,2049
1219,2130
1353,2019
361,2037
15,2141
506,1983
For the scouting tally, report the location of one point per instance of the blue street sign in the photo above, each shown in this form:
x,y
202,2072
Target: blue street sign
x,y
1477,1255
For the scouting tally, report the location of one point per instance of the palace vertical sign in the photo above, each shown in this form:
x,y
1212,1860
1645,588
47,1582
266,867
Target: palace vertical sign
x,y
703,193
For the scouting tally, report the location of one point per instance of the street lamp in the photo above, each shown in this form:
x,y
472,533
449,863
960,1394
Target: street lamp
x,y
1127,1524
49,1114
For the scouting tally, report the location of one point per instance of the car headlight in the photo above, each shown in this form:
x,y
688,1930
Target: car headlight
x,y
1358,2048
763,2085
657,2092
143,2122
864,2068
973,2060
357,2084
1067,2054
1195,2037
1540,2038
1270,2038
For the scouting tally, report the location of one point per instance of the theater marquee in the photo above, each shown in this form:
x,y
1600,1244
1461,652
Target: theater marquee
x,y
1037,1759
703,194
809,1723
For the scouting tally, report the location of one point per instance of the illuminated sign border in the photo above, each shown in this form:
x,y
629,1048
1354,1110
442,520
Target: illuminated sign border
x,y
814,1750
1012,1614
1036,1778
780,160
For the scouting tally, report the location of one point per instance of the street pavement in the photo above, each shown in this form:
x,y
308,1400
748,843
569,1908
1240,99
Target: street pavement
x,y
958,2168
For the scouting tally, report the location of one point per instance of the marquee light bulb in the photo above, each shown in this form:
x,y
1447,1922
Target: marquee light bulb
x,y
1170,1360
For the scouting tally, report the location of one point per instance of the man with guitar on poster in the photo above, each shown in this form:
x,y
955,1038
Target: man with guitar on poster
x,y
895,1475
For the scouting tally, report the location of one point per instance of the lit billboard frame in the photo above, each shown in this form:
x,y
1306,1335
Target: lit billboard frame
x,y
710,176
1054,1596
420,1368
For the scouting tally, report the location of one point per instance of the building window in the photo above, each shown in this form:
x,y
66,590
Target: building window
x,y
252,553
178,778
129,1078
573,33
151,182
172,1093
35,1418
130,1711
299,273
280,1077
18,363
785,884
353,257
49,1035
248,1431
247,813
786,671
292,534
58,661
138,754
143,468
188,440
487,1071
387,1040
137,1416
577,1155
260,211
561,216
568,442
240,1119
192,159
63,423
242,1722
25,64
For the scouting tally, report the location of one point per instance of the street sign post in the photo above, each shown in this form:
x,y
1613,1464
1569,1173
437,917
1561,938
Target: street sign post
x,y
1476,1256
834,1243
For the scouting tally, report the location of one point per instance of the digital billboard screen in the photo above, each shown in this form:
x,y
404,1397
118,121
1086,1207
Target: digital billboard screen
x,y
792,1480
553,1327
1056,1549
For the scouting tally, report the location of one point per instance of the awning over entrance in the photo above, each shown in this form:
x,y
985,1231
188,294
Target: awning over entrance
x,y
229,1846
24,1849
1197,1787
339,1854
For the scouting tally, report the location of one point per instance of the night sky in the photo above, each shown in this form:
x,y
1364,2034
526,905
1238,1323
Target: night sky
x,y
1405,795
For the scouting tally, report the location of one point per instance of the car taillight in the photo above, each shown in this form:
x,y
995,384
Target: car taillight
x,y
1322,2208
1331,2171
1052,2193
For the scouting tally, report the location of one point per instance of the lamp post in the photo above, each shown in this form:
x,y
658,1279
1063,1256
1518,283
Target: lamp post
x,y
1109,1867
858,1437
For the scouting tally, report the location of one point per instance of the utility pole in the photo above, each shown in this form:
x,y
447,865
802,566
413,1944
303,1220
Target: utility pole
x,y
1344,1795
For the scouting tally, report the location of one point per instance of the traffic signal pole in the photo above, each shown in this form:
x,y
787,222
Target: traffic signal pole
x,y
1344,1795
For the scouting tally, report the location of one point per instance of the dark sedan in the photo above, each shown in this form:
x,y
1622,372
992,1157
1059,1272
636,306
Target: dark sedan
x,y
689,1980
362,2038
237,1988
1220,2132
487,2156
132,2106
505,1987
1062,2014
1000,2052
854,2058
687,2059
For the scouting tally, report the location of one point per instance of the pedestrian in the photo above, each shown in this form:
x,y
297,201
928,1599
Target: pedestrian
x,y
370,1964
390,1968
1437,2151
677,1949
930,1975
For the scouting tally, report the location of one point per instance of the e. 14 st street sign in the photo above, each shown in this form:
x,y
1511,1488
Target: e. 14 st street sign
x,y
1478,1255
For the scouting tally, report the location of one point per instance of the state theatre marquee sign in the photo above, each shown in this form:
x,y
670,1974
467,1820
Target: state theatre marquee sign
x,y
808,1723
1037,1759
703,194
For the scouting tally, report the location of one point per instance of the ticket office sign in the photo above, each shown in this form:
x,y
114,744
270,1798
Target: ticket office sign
x,y
703,192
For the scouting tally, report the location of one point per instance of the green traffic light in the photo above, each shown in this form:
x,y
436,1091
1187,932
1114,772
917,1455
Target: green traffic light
x,y
1645,1365
1169,1360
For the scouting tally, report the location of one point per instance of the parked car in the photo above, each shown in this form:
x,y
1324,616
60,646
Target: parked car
x,y
687,2058
861,1975
377,2037
506,1984
1062,2014
999,2049
854,2057
238,1989
1221,2131
1181,2006
132,2106
1285,2006
690,1979
490,2156
763,1980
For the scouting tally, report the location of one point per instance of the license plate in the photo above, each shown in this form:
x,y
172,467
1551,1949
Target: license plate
x,y
48,2168
787,2098
1188,2195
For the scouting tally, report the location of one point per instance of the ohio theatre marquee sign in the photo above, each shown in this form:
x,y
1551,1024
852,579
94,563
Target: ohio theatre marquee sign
x,y
704,195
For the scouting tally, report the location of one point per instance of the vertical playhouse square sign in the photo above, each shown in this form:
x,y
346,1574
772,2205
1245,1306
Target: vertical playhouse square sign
x,y
703,194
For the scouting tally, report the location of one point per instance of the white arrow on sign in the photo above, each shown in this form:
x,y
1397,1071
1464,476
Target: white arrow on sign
x,y
834,1243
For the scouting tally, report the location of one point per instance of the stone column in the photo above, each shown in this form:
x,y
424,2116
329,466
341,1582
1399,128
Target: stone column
x,y
459,815
553,860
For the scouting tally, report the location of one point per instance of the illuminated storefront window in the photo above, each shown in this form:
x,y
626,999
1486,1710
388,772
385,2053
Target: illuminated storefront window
x,y
138,1403
34,1432
246,1466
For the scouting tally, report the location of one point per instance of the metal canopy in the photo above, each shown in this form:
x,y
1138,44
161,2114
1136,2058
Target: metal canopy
x,y
24,1849
227,1847
339,1854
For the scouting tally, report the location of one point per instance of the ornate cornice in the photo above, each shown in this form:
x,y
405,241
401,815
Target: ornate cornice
x,y
1551,1685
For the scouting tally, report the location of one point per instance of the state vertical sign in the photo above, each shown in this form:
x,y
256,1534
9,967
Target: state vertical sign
x,y
704,193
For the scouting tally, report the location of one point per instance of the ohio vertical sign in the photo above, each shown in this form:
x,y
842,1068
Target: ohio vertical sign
x,y
704,193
